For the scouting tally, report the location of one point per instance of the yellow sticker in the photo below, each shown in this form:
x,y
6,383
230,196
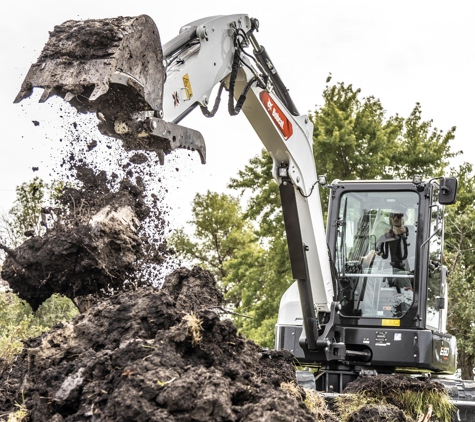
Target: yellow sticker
x,y
391,322
187,83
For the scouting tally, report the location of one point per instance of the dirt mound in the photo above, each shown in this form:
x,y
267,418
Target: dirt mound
x,y
152,355
397,398
387,385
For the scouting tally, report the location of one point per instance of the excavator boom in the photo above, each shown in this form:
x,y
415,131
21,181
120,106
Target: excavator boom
x,y
140,91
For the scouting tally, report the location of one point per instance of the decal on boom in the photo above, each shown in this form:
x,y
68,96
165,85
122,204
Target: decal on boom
x,y
277,115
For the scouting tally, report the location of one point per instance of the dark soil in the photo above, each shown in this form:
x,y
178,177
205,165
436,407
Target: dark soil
x,y
85,40
132,357
380,413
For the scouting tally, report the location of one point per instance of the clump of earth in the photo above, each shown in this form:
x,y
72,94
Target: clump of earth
x,y
384,395
92,247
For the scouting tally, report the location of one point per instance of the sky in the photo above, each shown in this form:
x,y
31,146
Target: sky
x,y
401,52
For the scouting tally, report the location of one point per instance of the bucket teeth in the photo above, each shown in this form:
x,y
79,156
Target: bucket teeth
x,y
114,68
69,96
87,57
99,89
46,94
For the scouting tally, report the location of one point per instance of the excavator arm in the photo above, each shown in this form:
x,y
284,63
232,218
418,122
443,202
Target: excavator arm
x,y
140,91
255,88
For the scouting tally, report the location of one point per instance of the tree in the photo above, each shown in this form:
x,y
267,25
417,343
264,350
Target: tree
x,y
460,259
219,232
24,216
18,322
352,137
262,277
421,149
257,278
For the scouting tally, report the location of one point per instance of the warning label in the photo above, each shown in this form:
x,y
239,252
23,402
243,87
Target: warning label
x,y
187,84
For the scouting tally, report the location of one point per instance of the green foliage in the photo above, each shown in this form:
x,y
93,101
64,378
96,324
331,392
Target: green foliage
x,y
352,138
220,231
24,216
421,149
417,404
460,259
257,278
261,276
18,322
264,204
21,414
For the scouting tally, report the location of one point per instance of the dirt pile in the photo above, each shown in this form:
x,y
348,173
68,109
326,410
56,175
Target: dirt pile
x,y
395,398
152,355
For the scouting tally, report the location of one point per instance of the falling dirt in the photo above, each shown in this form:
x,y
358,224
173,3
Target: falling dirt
x,y
92,247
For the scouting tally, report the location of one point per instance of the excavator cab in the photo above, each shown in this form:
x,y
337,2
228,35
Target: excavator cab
x,y
385,240
375,253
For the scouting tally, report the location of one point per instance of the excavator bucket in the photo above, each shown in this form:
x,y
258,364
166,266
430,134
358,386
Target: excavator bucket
x,y
114,68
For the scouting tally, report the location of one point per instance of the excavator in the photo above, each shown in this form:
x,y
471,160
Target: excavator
x,y
370,291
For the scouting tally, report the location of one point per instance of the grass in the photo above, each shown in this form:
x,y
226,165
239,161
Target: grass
x,y
347,404
21,414
18,322
312,399
415,404
195,327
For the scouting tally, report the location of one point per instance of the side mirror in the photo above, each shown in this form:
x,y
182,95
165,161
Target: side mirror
x,y
448,190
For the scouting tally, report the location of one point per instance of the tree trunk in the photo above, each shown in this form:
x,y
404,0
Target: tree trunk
x,y
466,364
